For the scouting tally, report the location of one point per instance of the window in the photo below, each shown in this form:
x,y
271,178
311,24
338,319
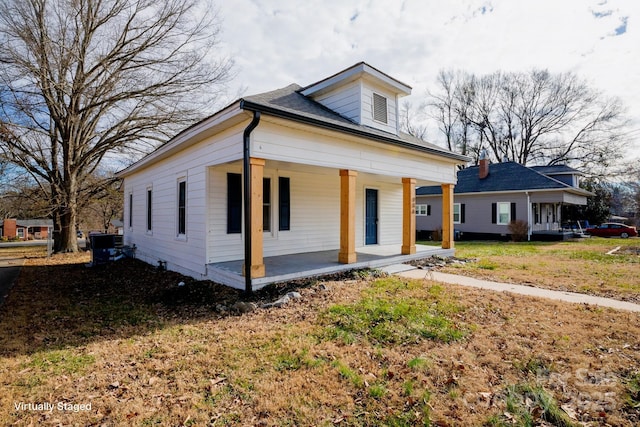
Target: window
x,y
234,203
130,210
458,213
379,108
266,204
149,199
423,209
182,207
284,207
503,213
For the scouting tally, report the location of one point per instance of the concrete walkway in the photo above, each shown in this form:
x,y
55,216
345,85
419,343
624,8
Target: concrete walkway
x,y
516,289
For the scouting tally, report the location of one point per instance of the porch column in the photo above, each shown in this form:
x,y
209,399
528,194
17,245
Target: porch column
x,y
347,254
447,216
408,216
257,247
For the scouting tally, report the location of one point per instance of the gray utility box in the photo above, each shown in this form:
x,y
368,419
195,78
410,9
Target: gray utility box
x,y
105,247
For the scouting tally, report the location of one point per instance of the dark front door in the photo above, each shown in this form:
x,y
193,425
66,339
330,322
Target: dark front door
x,y
371,216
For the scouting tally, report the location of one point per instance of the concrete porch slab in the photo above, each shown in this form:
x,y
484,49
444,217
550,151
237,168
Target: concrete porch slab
x,y
296,266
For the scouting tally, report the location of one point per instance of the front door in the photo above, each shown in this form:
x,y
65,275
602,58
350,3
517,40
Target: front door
x,y
371,216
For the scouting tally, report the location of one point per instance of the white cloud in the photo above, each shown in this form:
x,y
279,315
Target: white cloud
x,y
278,42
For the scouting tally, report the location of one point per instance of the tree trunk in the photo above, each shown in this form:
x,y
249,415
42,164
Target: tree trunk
x,y
67,212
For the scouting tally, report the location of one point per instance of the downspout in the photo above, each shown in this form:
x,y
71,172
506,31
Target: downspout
x,y
529,219
246,176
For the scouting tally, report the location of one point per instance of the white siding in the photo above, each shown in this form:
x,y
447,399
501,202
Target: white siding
x,y
367,109
301,145
315,213
186,255
344,101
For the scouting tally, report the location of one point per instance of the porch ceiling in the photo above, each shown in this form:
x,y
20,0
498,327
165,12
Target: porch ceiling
x,y
295,266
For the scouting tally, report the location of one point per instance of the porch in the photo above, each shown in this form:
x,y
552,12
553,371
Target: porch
x,y
296,266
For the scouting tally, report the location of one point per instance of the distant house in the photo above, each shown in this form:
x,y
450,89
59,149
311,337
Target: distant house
x,y
321,170
24,229
489,196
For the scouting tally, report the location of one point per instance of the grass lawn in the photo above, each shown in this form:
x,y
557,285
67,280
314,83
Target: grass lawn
x,y
124,345
577,266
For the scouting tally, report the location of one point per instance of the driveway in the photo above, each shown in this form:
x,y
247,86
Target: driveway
x,y
9,269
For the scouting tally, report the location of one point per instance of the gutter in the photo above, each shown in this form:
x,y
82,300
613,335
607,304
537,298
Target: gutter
x,y
246,168
252,106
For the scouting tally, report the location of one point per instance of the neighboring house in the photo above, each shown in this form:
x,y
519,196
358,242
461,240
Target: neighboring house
x,y
25,229
489,196
116,226
296,170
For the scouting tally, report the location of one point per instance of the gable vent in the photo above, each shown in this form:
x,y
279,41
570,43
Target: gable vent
x,y
379,108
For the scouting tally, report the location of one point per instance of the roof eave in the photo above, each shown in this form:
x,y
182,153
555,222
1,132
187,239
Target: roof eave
x,y
186,137
251,106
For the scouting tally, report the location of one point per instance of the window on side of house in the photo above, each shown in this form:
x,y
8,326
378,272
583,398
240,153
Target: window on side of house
x,y
284,203
182,207
130,210
423,210
379,108
458,213
234,203
504,213
266,204
149,207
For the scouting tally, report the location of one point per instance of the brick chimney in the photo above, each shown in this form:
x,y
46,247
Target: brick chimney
x,y
484,164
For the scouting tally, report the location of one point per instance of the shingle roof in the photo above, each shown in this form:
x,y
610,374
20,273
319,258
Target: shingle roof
x,y
289,103
508,176
32,222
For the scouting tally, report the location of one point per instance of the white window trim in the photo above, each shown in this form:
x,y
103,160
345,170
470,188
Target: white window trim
x,y
148,230
454,213
373,108
418,209
180,179
272,207
130,210
498,204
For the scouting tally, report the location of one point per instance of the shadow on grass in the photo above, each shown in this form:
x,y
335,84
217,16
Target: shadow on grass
x,y
58,306
68,305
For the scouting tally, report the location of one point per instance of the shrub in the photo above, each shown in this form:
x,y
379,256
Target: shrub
x,y
518,230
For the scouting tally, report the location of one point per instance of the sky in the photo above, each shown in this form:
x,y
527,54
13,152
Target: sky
x,y
278,42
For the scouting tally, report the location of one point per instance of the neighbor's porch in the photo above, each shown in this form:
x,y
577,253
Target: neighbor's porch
x,y
295,266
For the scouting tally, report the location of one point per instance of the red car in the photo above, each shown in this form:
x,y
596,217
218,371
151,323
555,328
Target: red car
x,y
612,229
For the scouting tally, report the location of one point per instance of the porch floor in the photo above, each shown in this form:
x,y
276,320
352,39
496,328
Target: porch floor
x,y
296,266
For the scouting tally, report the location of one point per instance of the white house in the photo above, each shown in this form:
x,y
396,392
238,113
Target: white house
x,y
322,170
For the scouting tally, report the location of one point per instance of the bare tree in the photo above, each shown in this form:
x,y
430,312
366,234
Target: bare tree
x,y
410,121
82,80
535,117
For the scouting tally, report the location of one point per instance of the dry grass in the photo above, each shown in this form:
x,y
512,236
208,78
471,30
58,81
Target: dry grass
x,y
578,266
122,339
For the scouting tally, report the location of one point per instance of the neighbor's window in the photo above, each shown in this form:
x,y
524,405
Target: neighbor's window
x,y
266,204
234,203
284,203
149,199
379,108
504,213
182,207
423,209
456,213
